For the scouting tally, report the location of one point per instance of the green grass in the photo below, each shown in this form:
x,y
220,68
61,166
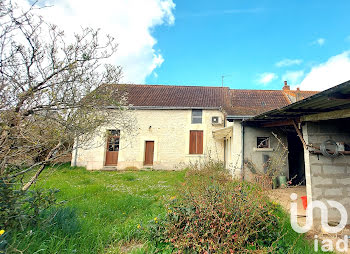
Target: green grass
x,y
103,209
100,213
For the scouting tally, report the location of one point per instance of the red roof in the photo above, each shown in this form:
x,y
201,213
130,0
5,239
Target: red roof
x,y
236,102
253,102
176,96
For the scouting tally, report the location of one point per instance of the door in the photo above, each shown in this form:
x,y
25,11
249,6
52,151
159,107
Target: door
x,y
113,139
149,152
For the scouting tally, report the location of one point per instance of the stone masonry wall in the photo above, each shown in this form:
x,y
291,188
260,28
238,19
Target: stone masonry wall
x,y
170,131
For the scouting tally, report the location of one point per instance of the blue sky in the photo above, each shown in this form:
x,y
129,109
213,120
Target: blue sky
x,y
245,39
255,44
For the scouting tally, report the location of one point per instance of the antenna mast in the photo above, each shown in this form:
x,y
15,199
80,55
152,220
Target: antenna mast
x,y
222,79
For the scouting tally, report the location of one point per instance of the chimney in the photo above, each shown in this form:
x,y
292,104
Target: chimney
x,y
286,86
297,94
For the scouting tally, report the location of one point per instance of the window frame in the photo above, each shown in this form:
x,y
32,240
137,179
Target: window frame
x,y
195,117
260,140
114,144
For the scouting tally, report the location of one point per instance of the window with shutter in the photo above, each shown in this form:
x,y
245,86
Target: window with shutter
x,y
196,142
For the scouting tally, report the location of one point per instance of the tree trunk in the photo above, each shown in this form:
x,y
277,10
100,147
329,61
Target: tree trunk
x,y
42,167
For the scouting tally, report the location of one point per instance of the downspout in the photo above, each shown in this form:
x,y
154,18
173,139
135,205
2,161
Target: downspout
x,y
225,153
242,141
75,153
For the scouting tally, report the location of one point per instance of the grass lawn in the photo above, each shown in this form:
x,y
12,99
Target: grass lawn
x,y
105,209
106,212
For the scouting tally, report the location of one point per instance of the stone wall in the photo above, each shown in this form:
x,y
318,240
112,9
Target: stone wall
x,y
170,131
327,178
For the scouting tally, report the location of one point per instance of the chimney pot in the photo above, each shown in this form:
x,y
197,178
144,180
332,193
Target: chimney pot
x,y
286,86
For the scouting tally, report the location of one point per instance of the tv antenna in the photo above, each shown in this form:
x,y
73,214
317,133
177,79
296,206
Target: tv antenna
x,y
222,79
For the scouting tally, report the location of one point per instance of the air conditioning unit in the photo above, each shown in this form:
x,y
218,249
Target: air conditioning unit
x,y
216,120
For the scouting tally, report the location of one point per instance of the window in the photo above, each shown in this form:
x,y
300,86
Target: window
x,y
196,116
196,142
263,142
113,140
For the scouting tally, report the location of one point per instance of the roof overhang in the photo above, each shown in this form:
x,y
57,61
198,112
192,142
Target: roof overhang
x,y
223,132
237,117
332,103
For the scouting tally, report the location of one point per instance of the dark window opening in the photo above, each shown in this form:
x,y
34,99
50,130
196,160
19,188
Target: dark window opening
x,y
263,142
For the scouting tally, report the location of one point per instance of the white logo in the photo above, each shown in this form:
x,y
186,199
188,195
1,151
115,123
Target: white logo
x,y
326,245
324,215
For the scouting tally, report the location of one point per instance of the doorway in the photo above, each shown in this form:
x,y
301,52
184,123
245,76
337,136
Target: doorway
x,y
149,153
113,138
296,159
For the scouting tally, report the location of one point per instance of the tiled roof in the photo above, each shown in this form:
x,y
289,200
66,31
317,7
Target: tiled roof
x,y
253,102
176,96
236,102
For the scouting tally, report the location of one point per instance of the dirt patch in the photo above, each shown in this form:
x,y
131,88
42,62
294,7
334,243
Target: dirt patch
x,y
124,248
282,196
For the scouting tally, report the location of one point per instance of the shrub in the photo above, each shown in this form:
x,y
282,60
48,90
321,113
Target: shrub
x,y
214,213
18,208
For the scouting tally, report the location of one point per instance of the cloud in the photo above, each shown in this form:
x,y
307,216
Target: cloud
x,y
130,21
319,41
293,77
266,78
325,75
288,62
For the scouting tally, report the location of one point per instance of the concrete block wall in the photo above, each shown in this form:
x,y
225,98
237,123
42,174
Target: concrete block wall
x,y
170,131
327,178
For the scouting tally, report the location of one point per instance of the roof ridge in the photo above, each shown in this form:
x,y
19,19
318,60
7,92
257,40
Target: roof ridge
x,y
159,85
226,87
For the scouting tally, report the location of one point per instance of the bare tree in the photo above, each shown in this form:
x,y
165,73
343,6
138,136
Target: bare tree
x,y
51,90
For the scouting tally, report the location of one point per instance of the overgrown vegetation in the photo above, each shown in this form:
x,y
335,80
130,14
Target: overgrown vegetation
x,y
51,94
154,212
95,212
213,213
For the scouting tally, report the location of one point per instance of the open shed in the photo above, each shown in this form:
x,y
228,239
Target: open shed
x,y
319,141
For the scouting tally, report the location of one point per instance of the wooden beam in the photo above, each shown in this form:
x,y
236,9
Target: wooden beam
x,y
277,123
336,114
300,135
311,111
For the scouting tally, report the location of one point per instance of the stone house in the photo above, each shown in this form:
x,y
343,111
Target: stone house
x,y
178,125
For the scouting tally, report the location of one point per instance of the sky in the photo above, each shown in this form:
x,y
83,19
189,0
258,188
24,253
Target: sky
x,y
254,44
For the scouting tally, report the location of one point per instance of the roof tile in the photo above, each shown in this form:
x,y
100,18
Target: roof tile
x,y
239,102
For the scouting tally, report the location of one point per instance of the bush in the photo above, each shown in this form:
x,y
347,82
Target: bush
x,y
55,227
19,208
214,213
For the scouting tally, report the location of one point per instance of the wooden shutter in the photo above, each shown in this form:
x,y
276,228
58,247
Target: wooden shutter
x,y
192,142
199,142
196,142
